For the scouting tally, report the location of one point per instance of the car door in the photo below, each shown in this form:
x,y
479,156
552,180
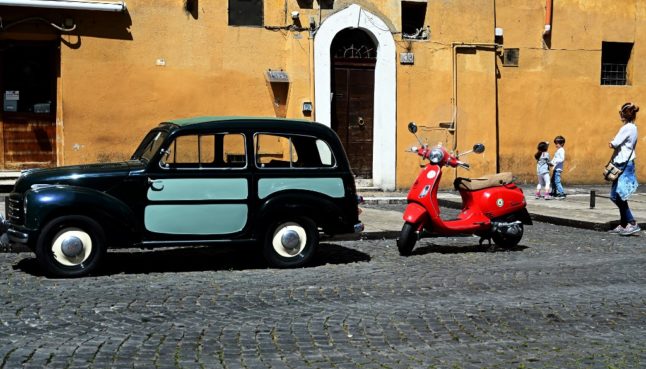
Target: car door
x,y
199,190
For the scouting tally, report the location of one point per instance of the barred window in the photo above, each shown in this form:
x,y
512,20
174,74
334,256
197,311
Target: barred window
x,y
246,12
413,18
615,63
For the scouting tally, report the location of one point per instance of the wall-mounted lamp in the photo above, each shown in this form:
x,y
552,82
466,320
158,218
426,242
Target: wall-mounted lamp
x,y
295,15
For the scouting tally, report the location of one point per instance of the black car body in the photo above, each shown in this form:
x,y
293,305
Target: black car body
x,y
197,181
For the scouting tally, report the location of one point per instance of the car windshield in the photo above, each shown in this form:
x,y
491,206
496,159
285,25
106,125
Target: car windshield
x,y
150,145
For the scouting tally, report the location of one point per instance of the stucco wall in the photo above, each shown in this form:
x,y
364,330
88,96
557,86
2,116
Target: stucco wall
x,y
112,90
557,91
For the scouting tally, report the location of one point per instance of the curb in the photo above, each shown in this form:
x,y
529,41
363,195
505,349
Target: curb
x,y
456,204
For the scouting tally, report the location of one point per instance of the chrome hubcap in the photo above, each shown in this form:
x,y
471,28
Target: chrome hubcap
x,y
290,239
72,247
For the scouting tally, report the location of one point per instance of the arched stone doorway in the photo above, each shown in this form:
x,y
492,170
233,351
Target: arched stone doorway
x,y
354,55
384,99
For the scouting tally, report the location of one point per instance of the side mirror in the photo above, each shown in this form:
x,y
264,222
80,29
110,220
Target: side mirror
x,y
412,127
478,148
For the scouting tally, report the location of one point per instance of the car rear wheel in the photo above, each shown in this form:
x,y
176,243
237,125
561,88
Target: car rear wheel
x,y
290,243
71,246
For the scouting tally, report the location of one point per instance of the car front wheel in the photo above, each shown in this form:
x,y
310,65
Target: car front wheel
x,y
290,243
70,246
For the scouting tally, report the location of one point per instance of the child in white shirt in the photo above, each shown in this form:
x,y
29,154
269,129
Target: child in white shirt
x,y
557,163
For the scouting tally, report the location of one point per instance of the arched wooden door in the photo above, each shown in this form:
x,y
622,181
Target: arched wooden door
x,y
354,58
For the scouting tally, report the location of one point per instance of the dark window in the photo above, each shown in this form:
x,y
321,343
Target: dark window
x,y
615,62
510,57
413,17
28,76
245,13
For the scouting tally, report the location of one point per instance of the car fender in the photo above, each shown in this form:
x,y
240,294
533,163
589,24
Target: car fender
x,y
44,202
320,208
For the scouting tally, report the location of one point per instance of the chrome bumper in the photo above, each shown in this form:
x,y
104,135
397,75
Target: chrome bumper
x,y
356,235
9,236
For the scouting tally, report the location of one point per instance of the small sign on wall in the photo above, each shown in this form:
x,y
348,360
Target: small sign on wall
x,y
407,58
276,76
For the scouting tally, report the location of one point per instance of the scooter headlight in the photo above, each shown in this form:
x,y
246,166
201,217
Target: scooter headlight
x,y
436,156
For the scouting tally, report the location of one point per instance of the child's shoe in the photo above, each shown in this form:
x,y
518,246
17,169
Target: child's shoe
x,y
547,197
538,195
630,229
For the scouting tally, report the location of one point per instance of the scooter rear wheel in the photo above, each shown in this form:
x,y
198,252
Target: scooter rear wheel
x,y
508,241
407,239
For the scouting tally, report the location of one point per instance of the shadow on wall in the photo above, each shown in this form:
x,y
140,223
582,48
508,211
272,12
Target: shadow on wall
x,y
68,23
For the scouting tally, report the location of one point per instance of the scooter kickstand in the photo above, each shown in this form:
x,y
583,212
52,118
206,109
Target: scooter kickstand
x,y
488,240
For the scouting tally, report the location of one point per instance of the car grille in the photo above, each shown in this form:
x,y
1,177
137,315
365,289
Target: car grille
x,y
13,209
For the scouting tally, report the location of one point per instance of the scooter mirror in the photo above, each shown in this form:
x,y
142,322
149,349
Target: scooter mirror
x,y
412,127
478,148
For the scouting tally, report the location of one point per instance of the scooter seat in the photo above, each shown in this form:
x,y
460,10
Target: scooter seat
x,y
473,184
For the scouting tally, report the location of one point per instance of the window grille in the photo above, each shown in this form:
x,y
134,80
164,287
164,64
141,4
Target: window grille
x,y
615,63
613,74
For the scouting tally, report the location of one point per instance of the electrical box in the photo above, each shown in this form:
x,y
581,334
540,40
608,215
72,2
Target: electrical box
x,y
11,99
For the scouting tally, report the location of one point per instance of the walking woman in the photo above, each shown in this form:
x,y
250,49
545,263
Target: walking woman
x,y
624,155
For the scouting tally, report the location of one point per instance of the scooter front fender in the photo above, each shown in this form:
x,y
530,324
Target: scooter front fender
x,y
415,213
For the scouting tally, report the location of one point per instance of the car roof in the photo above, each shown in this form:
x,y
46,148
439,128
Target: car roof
x,y
249,122
182,122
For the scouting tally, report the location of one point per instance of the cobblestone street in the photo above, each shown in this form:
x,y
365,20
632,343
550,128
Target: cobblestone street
x,y
564,298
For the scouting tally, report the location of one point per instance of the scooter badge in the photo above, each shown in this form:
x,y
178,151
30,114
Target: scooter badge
x,y
500,203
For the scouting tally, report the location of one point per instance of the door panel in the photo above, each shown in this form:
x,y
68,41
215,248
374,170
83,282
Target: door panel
x,y
353,113
200,188
194,219
29,141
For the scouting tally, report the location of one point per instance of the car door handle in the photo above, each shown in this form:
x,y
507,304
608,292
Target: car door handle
x,y
155,185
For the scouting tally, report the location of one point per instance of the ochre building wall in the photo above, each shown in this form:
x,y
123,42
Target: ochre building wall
x,y
121,74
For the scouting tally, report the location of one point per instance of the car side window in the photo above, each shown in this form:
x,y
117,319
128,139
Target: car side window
x,y
292,151
212,151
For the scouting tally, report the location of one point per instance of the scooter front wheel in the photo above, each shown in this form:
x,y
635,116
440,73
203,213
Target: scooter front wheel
x,y
407,239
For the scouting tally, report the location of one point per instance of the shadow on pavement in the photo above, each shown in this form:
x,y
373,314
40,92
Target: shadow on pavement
x,y
196,259
443,249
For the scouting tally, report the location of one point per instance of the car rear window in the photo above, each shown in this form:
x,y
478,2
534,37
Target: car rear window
x,y
291,151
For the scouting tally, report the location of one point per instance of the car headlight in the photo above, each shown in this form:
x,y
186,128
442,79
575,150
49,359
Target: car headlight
x,y
436,156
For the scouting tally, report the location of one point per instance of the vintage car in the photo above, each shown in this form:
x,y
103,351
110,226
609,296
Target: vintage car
x,y
196,181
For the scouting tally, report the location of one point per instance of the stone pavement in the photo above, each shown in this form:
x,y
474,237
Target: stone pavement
x,y
574,211
561,299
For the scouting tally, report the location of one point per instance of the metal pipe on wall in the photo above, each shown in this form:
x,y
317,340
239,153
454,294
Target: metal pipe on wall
x,y
548,18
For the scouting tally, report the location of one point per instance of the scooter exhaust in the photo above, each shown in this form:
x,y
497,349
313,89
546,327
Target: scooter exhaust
x,y
507,228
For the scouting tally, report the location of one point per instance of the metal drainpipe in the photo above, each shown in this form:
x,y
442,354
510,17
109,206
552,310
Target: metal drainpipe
x,y
112,6
548,18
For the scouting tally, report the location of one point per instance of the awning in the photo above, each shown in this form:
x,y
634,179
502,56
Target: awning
x,y
108,6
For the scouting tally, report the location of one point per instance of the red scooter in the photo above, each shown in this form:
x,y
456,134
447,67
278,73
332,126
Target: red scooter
x,y
493,207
